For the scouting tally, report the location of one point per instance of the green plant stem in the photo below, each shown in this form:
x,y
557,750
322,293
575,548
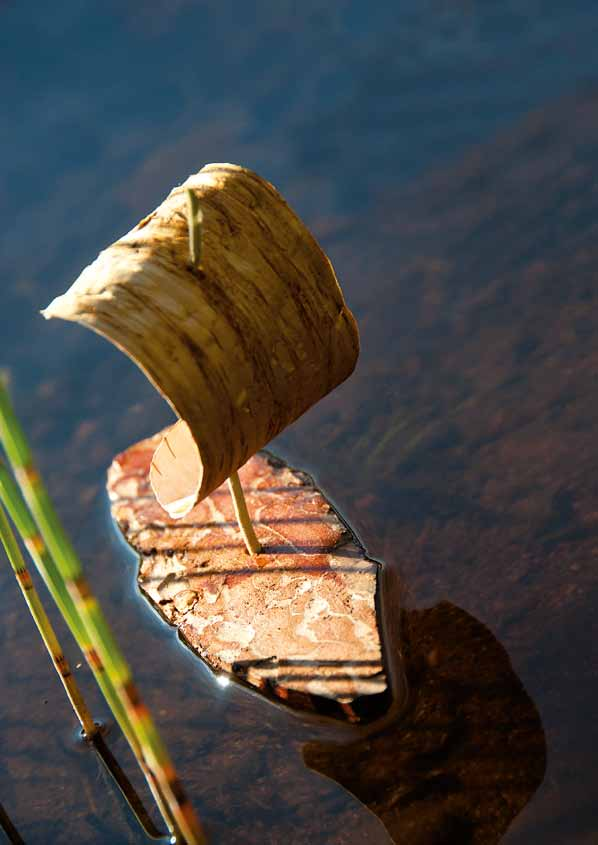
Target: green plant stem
x,y
19,513
12,500
103,643
44,625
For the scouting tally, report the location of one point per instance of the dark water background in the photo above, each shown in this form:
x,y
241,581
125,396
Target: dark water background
x,y
445,154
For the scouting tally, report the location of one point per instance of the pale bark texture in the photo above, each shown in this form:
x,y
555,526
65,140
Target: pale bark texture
x,y
239,348
298,622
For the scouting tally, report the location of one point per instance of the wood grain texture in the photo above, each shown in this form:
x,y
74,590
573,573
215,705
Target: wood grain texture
x,y
240,348
298,622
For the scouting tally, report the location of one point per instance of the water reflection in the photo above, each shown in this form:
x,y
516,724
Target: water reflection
x,y
467,752
9,829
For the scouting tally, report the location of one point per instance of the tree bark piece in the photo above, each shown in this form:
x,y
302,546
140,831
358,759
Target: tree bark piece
x,y
239,348
298,622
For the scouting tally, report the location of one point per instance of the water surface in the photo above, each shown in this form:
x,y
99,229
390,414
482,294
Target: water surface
x,y
444,153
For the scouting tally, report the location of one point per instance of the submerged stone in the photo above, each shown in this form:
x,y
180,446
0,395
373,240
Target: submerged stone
x,y
298,621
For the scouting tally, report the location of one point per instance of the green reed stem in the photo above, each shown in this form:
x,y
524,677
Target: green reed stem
x,y
10,495
143,729
44,626
48,634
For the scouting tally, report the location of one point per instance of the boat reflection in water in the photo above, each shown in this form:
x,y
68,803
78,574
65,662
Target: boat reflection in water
x,y
466,751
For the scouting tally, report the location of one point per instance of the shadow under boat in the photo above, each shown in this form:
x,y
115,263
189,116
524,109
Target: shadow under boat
x,y
465,751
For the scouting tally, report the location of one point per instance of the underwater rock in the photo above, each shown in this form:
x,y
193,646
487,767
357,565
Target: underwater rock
x,y
297,622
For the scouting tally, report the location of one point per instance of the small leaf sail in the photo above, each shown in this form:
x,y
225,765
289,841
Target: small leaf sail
x,y
239,348
298,622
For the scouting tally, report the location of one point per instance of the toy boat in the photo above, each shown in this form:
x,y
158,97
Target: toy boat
x,y
241,346
232,310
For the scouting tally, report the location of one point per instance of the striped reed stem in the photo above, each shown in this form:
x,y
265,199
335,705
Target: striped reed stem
x,y
101,639
44,626
18,511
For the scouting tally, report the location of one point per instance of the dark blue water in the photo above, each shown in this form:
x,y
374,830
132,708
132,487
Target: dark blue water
x,y
444,153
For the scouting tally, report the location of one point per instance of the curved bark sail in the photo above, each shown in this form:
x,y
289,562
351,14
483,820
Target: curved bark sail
x,y
240,348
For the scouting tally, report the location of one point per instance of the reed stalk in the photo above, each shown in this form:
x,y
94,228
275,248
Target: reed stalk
x,y
44,626
18,511
102,649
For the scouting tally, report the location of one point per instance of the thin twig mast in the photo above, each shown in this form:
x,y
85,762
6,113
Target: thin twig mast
x,y
195,220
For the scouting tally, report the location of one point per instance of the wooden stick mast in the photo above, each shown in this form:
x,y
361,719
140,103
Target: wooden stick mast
x,y
195,220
